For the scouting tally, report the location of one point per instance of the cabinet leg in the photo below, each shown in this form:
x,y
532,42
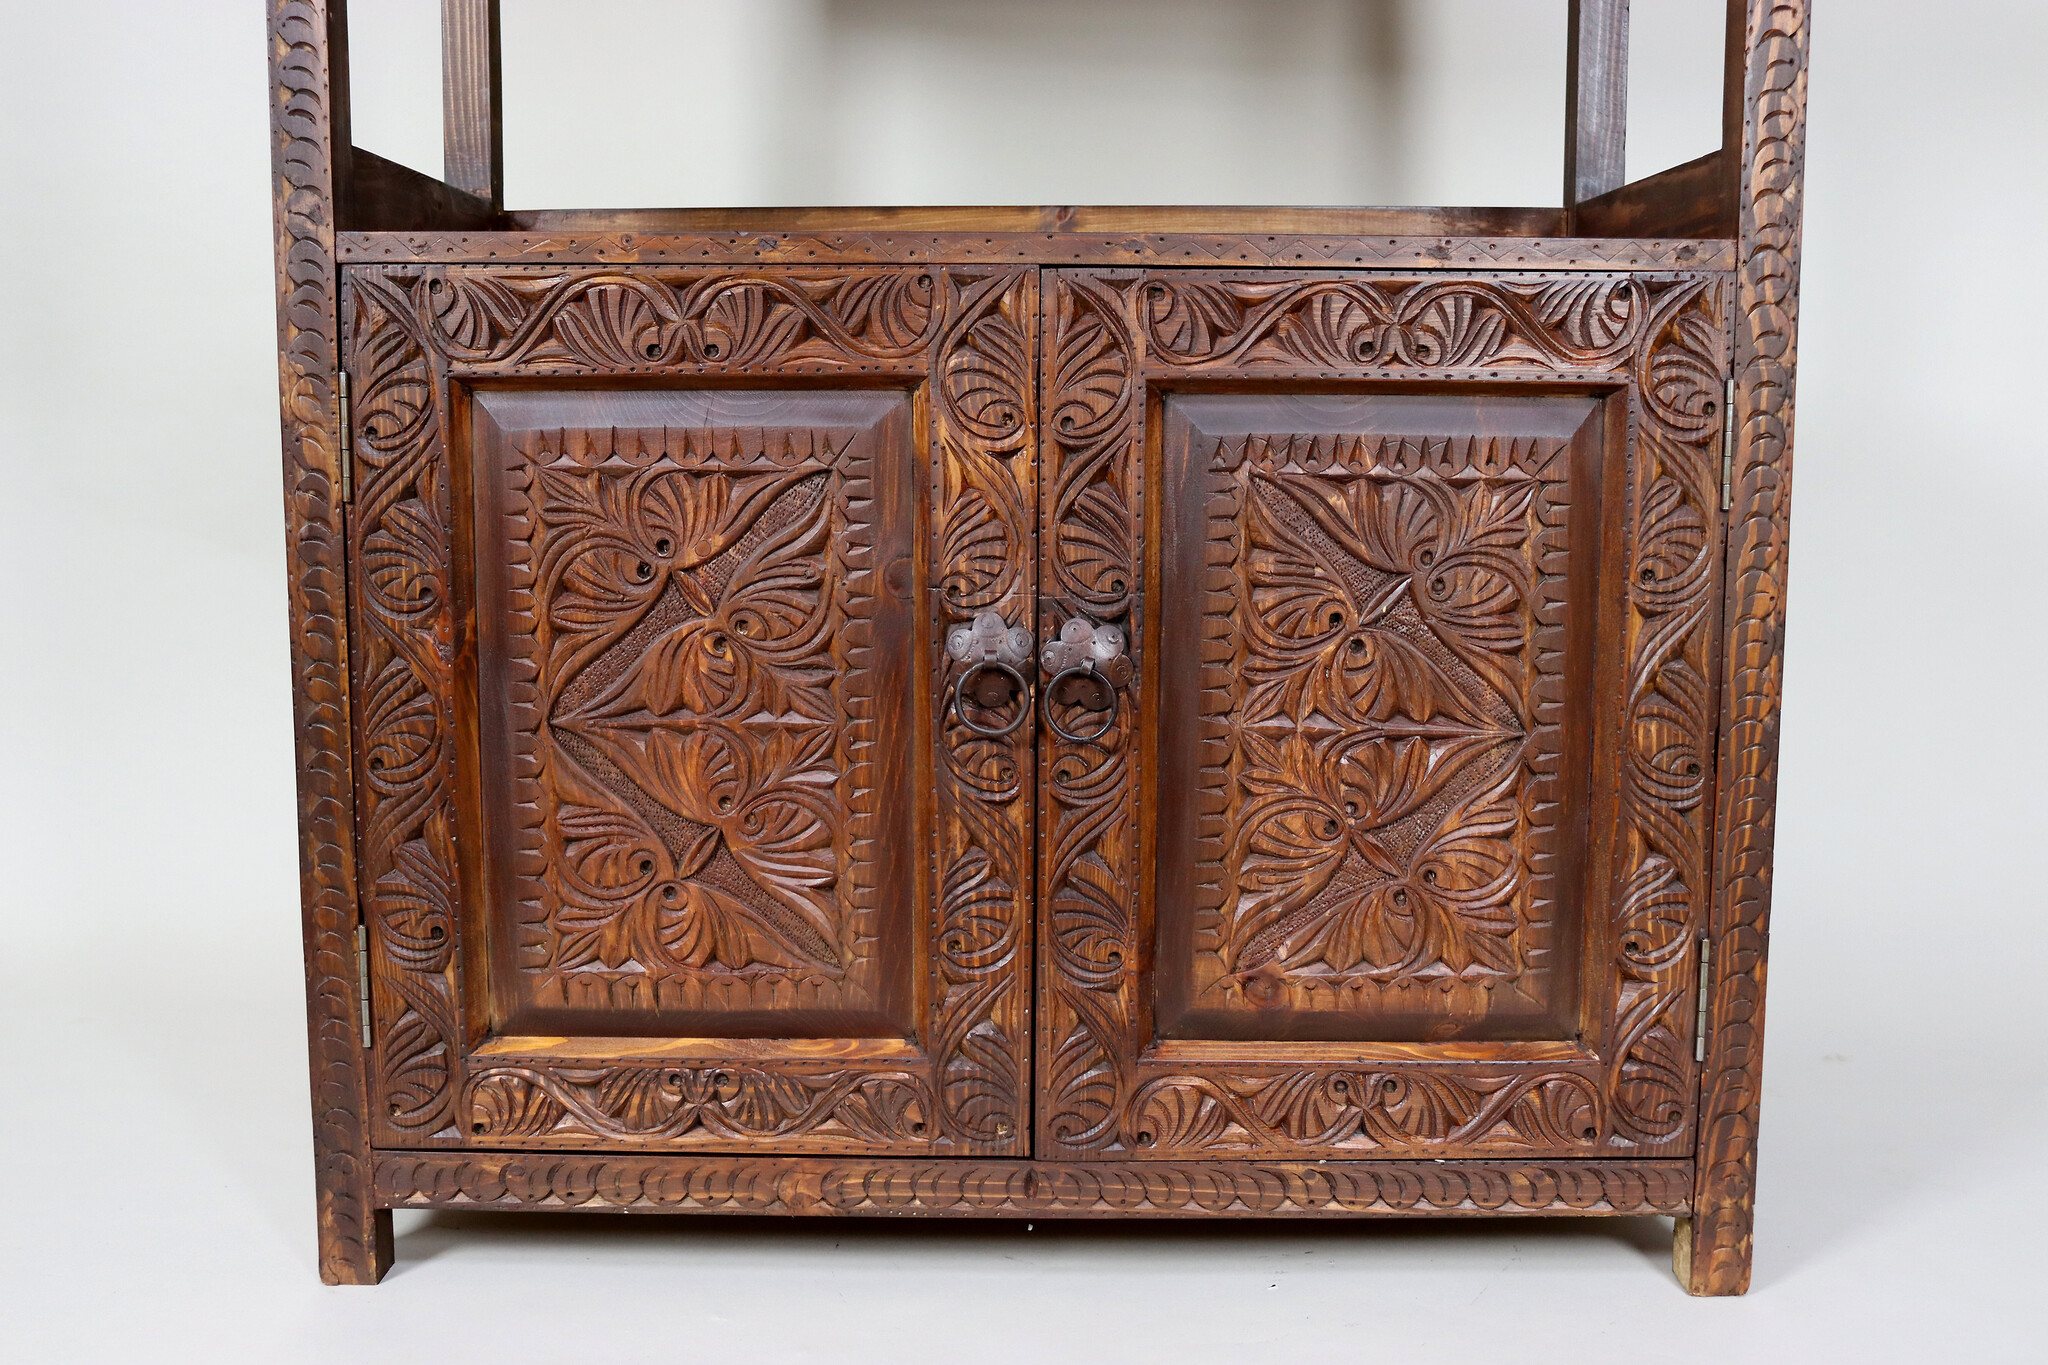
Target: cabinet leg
x,y
355,1243
1711,1256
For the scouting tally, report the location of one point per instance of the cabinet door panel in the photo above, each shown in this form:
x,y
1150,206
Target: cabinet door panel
x,y
669,836
1398,844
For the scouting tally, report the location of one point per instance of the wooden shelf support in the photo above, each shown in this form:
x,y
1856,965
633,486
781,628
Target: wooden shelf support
x,y
472,100
1595,100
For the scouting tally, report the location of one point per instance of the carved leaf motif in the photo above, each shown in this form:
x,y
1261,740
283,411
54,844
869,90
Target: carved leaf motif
x,y
401,727
980,379
635,1097
605,849
1386,780
1289,845
1092,373
1338,329
1382,676
1673,543
396,409
890,311
697,925
1456,330
754,650
977,549
412,903
402,560
471,312
1654,933
1588,315
1452,901
1091,930
704,513
614,322
1094,546
693,668
415,1073
746,324
1177,1113
1681,381
1194,319
508,1106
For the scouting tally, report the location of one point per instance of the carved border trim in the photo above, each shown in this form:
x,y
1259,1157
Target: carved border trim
x,y
979,1189
354,1237
1715,1251
1051,249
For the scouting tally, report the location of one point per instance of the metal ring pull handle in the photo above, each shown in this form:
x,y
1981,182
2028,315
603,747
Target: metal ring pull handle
x,y
990,645
975,671
1085,650
1108,713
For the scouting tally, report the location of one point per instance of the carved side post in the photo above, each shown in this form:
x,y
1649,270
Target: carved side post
x,y
1713,1249
309,146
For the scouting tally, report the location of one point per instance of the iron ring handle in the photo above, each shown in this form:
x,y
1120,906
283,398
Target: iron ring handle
x,y
1109,712
974,671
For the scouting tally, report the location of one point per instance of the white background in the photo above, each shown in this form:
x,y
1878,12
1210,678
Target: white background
x,y
155,1126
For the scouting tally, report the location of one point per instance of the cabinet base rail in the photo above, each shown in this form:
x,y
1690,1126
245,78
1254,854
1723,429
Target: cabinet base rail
x,y
909,1187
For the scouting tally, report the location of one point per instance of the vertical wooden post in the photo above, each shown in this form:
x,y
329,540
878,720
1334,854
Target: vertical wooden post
x,y
309,159
472,100
1595,100
1768,154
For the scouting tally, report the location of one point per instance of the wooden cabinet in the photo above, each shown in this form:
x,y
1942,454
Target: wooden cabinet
x,y
890,716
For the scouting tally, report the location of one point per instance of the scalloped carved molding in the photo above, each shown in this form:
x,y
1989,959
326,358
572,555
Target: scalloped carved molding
x,y
1209,1189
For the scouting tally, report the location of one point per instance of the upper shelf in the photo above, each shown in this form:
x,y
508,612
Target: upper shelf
x,y
1684,217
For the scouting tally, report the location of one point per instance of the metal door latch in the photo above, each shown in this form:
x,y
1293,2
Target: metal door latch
x,y
991,648
1086,665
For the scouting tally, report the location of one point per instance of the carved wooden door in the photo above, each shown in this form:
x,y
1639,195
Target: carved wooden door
x,y
1397,845
669,837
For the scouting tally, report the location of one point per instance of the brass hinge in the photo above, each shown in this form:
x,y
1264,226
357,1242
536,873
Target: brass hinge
x,y
363,978
348,454
1728,448
1699,1026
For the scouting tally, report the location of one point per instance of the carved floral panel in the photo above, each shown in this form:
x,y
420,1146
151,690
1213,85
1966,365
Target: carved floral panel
x,y
1372,851
695,589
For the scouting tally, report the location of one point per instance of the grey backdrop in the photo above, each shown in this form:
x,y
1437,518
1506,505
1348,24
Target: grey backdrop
x,y
156,1129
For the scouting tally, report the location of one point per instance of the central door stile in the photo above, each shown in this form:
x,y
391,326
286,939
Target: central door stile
x,y
1090,545
983,497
